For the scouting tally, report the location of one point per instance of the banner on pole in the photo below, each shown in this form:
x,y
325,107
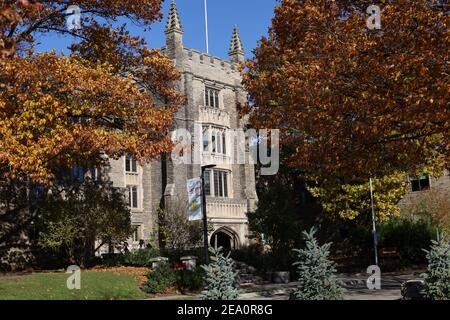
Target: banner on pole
x,y
194,188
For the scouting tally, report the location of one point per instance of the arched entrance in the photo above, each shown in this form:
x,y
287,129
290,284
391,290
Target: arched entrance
x,y
225,238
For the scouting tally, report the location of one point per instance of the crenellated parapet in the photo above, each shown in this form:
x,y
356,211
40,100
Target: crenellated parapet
x,y
210,60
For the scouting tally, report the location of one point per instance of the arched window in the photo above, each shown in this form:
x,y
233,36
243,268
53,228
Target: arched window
x,y
213,141
205,139
224,142
219,141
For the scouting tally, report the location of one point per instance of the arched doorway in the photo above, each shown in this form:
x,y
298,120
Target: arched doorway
x,y
225,238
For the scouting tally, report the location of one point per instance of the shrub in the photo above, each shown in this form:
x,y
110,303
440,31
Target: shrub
x,y
175,255
409,235
433,203
160,279
112,259
316,273
251,255
437,277
140,258
265,261
190,280
220,277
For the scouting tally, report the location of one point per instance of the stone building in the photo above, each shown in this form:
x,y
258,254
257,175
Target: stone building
x,y
213,88
427,189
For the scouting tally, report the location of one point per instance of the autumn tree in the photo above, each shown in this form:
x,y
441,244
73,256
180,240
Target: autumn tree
x,y
355,103
78,218
112,95
352,101
348,199
107,96
8,17
174,228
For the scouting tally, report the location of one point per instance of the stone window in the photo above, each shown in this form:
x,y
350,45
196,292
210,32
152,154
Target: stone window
x,y
211,97
95,174
419,184
133,197
207,177
220,184
78,173
224,142
217,183
130,165
214,140
205,139
218,140
136,236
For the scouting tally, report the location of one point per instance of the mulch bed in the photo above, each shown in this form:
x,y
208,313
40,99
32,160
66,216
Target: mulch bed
x,y
140,273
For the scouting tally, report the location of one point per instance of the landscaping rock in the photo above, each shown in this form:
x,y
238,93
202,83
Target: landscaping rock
x,y
281,277
246,275
156,262
189,262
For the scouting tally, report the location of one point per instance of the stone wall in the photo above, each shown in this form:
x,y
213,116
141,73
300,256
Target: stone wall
x,y
438,186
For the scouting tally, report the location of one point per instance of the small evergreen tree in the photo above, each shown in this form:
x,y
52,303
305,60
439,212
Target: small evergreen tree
x,y
437,277
316,273
220,277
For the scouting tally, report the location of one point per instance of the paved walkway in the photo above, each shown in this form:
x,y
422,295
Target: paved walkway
x,y
354,288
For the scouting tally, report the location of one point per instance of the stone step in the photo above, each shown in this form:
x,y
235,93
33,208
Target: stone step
x,y
247,276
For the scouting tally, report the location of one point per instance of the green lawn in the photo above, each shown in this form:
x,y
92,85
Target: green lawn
x,y
52,286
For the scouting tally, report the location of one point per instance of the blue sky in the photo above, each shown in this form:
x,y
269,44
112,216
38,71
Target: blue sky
x,y
253,18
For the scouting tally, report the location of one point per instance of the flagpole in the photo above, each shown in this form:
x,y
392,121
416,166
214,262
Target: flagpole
x,y
206,27
374,229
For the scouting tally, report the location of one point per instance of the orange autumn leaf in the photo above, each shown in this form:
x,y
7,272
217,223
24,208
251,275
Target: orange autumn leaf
x,y
350,101
111,96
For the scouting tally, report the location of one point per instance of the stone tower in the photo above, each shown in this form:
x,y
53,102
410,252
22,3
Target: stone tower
x,y
213,89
